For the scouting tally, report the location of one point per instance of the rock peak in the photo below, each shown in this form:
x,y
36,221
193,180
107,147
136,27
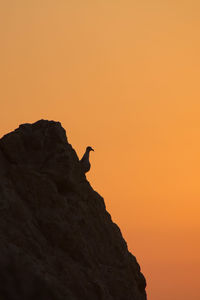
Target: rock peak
x,y
57,241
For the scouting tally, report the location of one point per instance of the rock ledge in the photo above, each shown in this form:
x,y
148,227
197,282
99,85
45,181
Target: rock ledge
x,y
57,241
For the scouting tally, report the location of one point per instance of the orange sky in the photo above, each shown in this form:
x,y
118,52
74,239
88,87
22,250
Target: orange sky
x,y
123,77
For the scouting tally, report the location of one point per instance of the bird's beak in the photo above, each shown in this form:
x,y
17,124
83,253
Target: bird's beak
x,y
92,149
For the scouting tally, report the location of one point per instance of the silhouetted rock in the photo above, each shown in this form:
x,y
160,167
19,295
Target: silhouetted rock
x,y
57,241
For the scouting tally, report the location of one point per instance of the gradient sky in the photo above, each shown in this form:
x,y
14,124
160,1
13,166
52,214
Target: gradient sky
x,y
123,77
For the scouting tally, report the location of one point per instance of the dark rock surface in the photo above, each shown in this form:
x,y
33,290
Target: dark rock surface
x,y
57,241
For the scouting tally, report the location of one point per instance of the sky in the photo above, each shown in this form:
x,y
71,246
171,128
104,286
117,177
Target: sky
x,y
123,77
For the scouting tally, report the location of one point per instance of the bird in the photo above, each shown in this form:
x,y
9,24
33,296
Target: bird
x,y
85,163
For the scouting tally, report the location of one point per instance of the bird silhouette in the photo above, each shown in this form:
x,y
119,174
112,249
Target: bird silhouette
x,y
85,163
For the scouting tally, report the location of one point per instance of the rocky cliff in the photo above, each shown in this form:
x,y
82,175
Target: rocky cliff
x,y
57,241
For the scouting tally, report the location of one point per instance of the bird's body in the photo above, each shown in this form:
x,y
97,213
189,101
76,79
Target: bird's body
x,y
85,163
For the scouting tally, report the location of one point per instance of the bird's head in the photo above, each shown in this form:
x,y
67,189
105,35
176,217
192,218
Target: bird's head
x,y
88,149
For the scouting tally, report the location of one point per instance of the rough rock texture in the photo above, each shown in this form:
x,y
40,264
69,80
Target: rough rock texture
x,y
57,241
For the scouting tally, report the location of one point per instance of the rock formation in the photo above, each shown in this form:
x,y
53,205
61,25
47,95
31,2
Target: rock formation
x,y
57,241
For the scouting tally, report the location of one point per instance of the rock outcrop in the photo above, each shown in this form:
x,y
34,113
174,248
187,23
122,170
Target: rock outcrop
x,y
57,241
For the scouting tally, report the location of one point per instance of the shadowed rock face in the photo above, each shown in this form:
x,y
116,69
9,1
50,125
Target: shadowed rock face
x,y
57,241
